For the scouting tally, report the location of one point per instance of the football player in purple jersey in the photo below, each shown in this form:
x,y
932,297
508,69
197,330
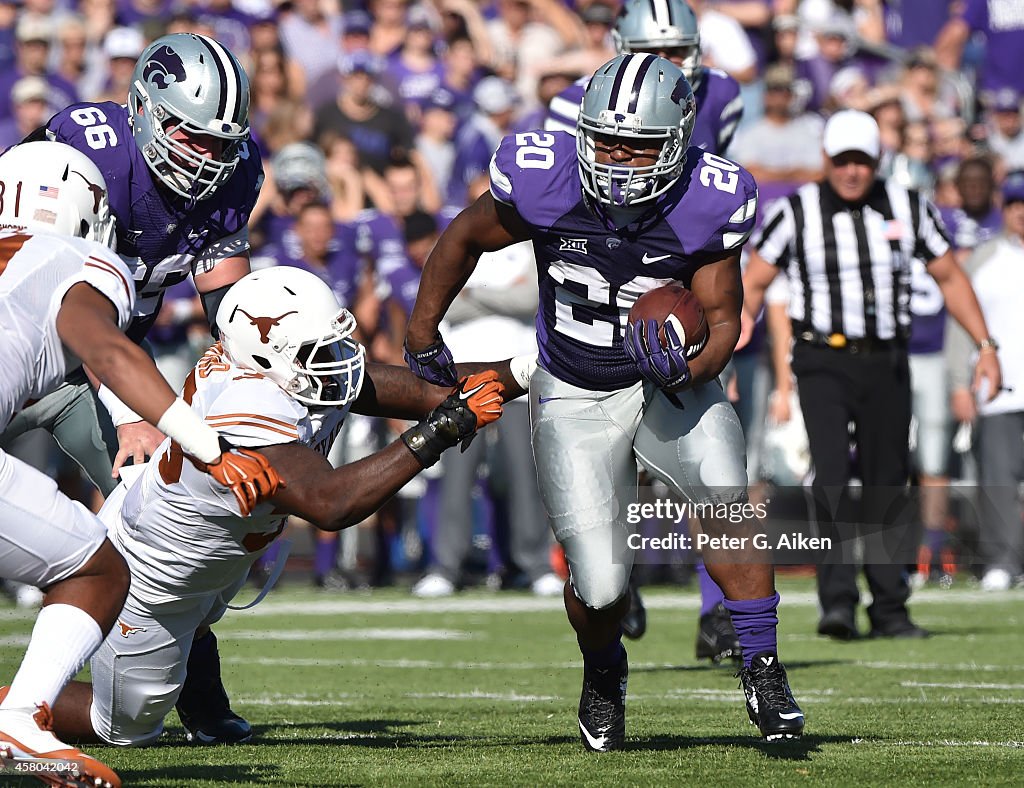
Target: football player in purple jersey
x,y
623,207
182,175
669,28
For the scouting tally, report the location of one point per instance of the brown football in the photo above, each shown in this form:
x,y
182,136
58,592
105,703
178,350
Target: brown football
x,y
675,303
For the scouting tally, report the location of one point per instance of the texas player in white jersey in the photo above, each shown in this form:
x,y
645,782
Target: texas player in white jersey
x,y
281,382
65,299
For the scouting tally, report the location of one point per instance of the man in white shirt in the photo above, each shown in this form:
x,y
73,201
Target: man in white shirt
x,y
996,270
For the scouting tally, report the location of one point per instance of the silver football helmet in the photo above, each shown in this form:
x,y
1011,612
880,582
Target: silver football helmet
x,y
51,188
658,26
300,165
287,324
191,84
645,100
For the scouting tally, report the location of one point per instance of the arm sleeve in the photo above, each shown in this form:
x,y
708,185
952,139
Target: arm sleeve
x,y
221,249
211,303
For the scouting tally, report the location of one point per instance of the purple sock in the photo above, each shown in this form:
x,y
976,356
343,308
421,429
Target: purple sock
x,y
936,542
606,657
325,556
755,621
269,558
710,593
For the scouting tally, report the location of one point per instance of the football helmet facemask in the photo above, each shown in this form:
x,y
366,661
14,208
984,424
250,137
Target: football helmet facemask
x,y
660,26
646,101
188,84
287,324
53,189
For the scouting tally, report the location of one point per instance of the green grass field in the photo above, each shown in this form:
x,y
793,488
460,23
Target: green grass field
x,y
482,690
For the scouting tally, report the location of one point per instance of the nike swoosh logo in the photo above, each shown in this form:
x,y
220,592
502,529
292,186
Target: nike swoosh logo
x,y
791,715
464,395
648,259
542,400
598,743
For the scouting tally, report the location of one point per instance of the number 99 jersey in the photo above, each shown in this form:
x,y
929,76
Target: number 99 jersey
x,y
591,273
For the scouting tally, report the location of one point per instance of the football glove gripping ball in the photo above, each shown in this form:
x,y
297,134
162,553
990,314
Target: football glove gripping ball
x,y
666,367
474,403
434,363
246,473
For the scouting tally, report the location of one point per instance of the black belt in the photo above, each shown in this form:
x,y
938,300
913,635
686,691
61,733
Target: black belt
x,y
846,344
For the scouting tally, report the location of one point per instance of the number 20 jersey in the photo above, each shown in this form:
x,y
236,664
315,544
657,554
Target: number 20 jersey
x,y
181,533
591,273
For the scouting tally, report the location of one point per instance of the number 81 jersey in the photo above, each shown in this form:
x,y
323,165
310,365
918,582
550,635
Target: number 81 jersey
x,y
590,272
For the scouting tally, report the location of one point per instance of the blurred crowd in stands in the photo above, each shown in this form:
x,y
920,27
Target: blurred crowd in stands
x,y
377,120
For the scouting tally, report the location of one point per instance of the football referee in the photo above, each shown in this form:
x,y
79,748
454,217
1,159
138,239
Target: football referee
x,y
846,243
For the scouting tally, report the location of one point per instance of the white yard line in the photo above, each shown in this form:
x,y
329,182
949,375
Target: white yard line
x,y
349,634
961,685
425,664
686,600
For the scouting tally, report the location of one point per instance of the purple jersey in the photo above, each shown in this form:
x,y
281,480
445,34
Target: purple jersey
x,y
1002,22
719,109
590,275
161,240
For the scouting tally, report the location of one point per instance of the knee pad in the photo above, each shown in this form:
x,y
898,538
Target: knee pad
x,y
599,566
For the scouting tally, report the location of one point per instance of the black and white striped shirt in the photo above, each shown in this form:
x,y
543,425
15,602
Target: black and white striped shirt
x,y
849,264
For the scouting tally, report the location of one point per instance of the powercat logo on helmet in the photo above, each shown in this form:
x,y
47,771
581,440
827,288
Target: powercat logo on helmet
x,y
164,68
681,91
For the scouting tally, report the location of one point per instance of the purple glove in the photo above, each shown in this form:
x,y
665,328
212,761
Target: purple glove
x,y
665,367
434,364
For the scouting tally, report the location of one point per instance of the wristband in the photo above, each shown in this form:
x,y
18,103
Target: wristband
x,y
988,344
119,412
522,368
194,435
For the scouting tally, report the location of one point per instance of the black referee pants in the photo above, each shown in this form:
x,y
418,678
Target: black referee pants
x,y
871,390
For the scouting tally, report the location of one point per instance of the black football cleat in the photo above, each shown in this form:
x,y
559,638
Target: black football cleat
x,y
203,705
602,713
770,703
634,623
716,636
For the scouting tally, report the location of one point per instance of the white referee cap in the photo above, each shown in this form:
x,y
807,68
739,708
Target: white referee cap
x,y
850,130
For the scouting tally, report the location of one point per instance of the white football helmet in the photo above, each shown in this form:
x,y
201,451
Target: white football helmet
x,y
287,324
53,189
645,100
185,82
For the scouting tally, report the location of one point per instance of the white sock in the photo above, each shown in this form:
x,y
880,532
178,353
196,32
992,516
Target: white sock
x,y
63,638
